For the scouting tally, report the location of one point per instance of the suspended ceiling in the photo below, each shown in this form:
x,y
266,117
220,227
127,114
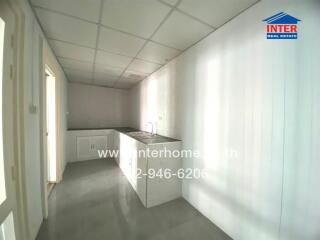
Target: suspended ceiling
x,y
117,43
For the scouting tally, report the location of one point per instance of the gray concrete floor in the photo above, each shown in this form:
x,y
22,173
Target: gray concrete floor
x,y
96,202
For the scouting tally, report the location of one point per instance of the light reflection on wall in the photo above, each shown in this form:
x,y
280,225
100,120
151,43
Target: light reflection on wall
x,y
250,107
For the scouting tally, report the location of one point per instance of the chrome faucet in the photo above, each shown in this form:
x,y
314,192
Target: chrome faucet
x,y
152,127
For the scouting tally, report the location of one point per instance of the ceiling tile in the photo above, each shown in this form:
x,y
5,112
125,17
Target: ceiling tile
x,y
78,76
174,32
105,79
67,50
215,12
75,64
139,17
125,84
68,29
118,42
112,59
104,83
88,10
134,76
143,67
157,53
171,2
104,69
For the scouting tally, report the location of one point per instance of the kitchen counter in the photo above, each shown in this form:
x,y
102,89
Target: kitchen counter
x,y
120,129
133,151
148,138
141,136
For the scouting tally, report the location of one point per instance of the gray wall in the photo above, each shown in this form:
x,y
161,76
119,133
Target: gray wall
x,y
251,107
92,106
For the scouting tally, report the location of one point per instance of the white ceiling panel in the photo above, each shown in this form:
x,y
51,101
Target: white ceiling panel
x,y
85,9
157,53
118,42
143,66
139,17
105,83
117,58
181,31
75,64
111,71
68,29
215,12
113,60
171,2
67,50
105,79
78,76
125,84
134,75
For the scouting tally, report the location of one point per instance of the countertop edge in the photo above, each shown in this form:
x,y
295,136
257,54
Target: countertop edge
x,y
126,130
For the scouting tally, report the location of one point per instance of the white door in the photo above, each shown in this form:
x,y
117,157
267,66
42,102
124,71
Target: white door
x,y
8,204
51,126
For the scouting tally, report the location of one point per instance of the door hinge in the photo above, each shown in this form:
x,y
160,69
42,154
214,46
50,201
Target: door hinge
x,y
13,173
12,41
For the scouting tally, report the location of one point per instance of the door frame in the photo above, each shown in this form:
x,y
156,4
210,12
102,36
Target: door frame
x,y
48,69
43,128
21,224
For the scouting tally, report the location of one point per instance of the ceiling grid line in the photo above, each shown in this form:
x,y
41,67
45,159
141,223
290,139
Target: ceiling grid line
x,y
83,61
109,27
209,32
99,22
65,14
97,40
44,34
154,32
100,49
114,55
187,14
117,30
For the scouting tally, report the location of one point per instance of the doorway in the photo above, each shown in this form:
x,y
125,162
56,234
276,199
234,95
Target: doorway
x,y
51,128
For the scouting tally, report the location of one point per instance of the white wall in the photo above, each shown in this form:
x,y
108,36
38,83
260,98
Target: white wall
x,y
251,107
94,107
31,121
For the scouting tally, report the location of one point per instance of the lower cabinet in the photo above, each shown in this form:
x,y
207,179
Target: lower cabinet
x,y
137,166
133,159
89,147
161,189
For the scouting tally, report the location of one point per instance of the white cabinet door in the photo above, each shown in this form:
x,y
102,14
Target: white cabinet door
x,y
84,148
99,143
126,155
87,147
141,180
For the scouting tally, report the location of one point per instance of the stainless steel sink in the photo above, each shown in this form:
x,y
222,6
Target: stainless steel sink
x,y
149,138
142,135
